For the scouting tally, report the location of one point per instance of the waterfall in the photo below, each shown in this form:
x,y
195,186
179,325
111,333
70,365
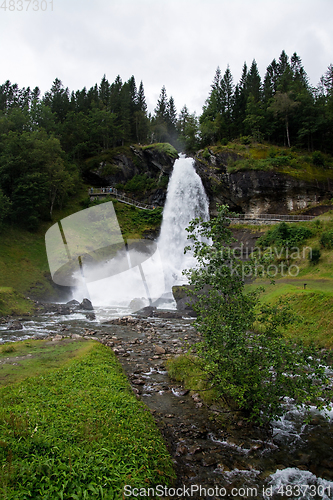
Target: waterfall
x,y
186,199
126,276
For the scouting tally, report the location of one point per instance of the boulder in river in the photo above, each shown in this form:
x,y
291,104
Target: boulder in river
x,y
87,305
73,303
14,325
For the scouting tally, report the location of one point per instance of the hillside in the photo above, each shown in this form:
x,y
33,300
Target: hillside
x,y
295,181
23,260
302,275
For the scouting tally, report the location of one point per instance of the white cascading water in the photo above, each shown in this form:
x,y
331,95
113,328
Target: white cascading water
x,y
186,199
152,282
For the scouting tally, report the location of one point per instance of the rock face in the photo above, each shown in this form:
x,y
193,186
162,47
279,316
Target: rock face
x,y
184,299
120,167
256,191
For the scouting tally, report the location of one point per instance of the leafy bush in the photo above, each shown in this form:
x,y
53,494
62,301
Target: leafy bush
x,y
140,183
326,239
286,235
314,256
318,159
253,369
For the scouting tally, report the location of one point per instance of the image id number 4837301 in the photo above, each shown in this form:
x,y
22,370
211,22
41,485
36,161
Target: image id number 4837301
x,y
301,490
26,5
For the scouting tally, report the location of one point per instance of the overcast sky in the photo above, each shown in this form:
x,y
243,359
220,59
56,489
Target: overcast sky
x,y
176,43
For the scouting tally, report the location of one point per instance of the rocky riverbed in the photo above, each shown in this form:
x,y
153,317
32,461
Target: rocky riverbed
x,y
210,448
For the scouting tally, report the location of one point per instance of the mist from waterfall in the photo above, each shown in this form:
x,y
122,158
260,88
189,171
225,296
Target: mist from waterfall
x,y
186,199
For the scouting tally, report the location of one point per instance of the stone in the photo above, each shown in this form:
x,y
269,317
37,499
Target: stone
x,y
138,381
73,303
181,449
194,448
159,350
87,305
64,310
56,338
91,316
15,325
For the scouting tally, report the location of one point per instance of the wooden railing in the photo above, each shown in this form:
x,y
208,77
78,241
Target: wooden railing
x,y
270,218
95,193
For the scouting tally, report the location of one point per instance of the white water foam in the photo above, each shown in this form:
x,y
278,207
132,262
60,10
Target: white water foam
x,y
186,200
307,484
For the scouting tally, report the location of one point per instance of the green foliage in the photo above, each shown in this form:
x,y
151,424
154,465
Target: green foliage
x,y
140,183
34,176
5,207
78,432
163,147
318,159
286,235
253,369
314,256
12,302
326,239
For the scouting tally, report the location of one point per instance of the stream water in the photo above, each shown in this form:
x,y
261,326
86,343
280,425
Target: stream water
x,y
209,448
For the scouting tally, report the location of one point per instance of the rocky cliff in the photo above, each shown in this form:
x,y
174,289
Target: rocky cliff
x,y
256,191
149,165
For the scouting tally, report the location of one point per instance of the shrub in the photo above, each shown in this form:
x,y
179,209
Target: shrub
x,y
318,159
286,235
326,239
253,370
314,256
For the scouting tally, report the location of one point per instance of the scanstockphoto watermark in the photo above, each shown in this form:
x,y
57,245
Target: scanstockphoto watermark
x,y
254,270
245,262
195,490
268,253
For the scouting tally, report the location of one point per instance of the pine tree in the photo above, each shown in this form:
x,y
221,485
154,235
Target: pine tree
x,y
254,82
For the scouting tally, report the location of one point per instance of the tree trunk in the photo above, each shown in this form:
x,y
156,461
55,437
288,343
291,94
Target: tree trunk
x,y
287,130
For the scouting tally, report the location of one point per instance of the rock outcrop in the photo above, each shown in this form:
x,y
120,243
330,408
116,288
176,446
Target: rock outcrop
x,y
121,165
256,191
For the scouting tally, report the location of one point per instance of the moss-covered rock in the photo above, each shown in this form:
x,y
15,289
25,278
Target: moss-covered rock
x,y
258,178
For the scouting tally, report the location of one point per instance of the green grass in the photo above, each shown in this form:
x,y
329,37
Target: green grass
x,y
312,307
78,432
14,303
20,360
299,164
23,260
162,147
188,370
312,304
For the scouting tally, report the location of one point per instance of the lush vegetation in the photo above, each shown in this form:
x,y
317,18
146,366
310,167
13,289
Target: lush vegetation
x,y
23,260
48,143
282,109
246,356
78,432
285,235
265,157
14,303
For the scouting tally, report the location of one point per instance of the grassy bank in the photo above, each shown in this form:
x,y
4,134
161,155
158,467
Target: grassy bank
x,y
77,431
14,303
